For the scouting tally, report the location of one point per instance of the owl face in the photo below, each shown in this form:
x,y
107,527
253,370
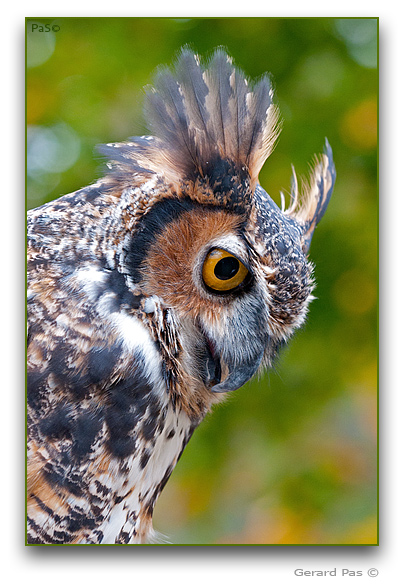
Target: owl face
x,y
237,283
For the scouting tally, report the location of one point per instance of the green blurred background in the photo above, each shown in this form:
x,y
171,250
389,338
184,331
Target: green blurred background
x,y
290,458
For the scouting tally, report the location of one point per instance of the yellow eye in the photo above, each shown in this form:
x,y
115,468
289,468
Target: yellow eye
x,y
222,271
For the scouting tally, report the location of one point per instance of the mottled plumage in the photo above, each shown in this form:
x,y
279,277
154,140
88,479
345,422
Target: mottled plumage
x,y
151,293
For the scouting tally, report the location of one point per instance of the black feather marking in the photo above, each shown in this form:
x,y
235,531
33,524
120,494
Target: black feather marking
x,y
163,212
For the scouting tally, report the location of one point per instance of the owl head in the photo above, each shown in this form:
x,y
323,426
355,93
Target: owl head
x,y
204,237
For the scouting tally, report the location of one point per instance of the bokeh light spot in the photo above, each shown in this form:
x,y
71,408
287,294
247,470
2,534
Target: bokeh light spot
x,y
40,45
359,125
51,149
320,74
360,38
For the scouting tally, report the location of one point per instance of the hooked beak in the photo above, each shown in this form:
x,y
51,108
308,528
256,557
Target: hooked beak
x,y
237,375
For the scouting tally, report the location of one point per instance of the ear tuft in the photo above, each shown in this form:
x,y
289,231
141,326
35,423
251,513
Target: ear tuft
x,y
308,207
200,117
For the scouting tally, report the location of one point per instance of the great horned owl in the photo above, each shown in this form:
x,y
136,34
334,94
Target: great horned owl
x,y
151,293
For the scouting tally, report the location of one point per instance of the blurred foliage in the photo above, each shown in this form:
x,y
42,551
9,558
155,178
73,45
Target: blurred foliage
x,y
290,458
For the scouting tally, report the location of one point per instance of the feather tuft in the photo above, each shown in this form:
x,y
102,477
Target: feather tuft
x,y
200,116
309,207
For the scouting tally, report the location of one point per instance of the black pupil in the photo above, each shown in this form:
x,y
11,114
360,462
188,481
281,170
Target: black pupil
x,y
226,268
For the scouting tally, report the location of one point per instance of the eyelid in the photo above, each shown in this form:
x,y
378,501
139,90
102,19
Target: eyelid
x,y
232,244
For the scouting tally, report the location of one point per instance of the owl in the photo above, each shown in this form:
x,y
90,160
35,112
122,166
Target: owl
x,y
152,293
